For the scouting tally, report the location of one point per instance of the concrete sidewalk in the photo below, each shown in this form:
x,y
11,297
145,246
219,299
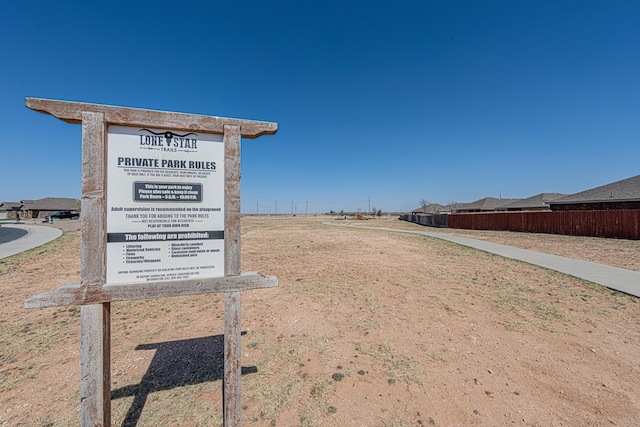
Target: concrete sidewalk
x,y
619,279
16,238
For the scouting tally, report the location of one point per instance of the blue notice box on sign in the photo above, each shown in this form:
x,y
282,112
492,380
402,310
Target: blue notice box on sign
x,y
167,192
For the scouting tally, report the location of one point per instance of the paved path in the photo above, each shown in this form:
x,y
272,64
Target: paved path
x,y
619,279
16,238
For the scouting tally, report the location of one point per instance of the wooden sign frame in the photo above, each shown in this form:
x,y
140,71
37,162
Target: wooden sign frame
x,y
95,295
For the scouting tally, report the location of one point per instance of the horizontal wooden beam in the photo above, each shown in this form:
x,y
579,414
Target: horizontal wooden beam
x,y
71,112
76,294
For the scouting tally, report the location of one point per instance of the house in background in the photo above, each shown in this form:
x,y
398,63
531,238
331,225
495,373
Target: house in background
x,y
539,202
488,204
624,194
432,208
8,209
610,211
38,209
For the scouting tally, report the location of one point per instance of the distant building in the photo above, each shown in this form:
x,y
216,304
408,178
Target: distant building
x,y
624,194
36,209
432,208
488,204
8,209
539,202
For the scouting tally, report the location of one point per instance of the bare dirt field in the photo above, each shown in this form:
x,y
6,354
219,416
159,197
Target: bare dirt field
x,y
366,328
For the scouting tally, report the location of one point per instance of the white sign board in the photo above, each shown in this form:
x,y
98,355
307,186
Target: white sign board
x,y
165,205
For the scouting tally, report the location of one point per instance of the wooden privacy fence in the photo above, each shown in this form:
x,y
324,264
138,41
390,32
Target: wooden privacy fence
x,y
622,224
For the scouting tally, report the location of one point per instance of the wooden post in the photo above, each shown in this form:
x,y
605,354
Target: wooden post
x,y
95,319
95,365
232,327
232,393
232,200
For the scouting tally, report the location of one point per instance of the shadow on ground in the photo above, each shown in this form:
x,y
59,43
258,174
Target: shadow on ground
x,y
176,364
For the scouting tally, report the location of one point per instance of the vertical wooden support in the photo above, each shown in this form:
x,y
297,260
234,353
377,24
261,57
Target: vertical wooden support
x,y
232,200
95,365
232,395
232,327
95,319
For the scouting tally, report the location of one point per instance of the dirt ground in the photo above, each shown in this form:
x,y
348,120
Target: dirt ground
x,y
366,328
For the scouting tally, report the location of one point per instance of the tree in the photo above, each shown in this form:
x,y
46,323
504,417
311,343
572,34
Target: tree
x,y
424,203
453,206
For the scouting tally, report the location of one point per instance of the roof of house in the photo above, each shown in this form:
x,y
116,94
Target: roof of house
x,y
9,205
486,204
624,190
430,208
51,204
538,201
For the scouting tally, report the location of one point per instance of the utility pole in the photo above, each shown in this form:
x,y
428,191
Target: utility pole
x,y
257,213
306,207
291,207
276,208
369,209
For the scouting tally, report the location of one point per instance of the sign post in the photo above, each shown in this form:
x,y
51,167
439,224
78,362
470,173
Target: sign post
x,y
160,218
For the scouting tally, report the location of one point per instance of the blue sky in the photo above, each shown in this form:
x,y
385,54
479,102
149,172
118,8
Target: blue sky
x,y
379,104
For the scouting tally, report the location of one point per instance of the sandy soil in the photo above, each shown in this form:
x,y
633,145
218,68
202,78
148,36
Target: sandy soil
x,y
366,328
615,252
